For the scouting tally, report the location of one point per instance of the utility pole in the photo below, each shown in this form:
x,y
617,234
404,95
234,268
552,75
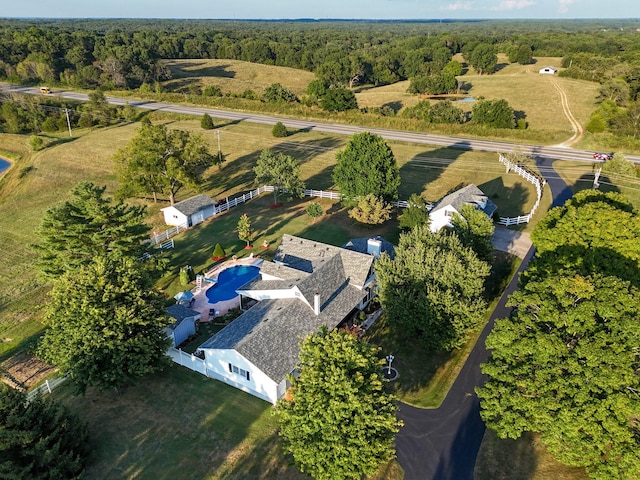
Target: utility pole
x,y
219,150
66,112
596,178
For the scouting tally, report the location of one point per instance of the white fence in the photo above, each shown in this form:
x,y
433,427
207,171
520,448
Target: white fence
x,y
234,202
188,360
47,387
157,238
507,221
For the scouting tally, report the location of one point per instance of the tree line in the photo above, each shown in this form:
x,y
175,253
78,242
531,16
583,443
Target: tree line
x,y
121,54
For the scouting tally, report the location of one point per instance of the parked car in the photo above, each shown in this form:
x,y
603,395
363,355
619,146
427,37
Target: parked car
x,y
603,156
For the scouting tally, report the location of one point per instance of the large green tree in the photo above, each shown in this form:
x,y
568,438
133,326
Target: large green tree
x,y
474,229
105,324
483,58
366,165
433,288
338,421
594,232
159,160
87,225
565,365
280,171
39,440
494,113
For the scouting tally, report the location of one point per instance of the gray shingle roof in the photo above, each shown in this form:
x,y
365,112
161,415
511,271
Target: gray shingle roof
x,y
308,255
269,333
194,204
179,313
467,195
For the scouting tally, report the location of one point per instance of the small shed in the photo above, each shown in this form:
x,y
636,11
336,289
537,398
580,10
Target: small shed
x,y
548,71
184,324
189,212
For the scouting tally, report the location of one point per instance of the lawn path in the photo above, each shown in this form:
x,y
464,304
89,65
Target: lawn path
x,y
578,131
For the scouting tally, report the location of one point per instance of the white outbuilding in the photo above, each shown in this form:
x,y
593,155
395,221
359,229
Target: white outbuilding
x,y
189,212
548,71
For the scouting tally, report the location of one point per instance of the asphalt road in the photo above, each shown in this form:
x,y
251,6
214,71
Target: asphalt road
x,y
443,443
420,138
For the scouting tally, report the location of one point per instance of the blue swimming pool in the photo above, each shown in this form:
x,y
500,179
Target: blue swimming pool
x,y
229,280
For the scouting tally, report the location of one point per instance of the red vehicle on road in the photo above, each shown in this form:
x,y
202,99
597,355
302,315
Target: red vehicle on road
x,y
603,156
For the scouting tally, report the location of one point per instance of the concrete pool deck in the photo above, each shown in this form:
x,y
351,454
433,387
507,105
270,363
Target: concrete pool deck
x,y
201,302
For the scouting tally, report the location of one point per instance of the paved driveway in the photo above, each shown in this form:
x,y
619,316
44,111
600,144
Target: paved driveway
x,y
443,443
511,241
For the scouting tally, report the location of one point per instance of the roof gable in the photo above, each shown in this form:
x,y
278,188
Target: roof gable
x,y
309,255
471,195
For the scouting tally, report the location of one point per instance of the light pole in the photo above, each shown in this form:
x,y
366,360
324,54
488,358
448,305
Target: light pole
x,y
390,359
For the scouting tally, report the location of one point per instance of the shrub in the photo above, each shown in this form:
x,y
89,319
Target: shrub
x,y
212,91
218,252
49,125
35,142
279,130
314,210
206,122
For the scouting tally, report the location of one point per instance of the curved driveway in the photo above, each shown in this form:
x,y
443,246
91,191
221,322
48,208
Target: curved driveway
x,y
443,443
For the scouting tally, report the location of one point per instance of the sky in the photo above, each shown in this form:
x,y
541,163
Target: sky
x,y
319,9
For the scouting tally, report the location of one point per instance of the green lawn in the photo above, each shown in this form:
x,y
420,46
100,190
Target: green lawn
x,y
212,431
180,425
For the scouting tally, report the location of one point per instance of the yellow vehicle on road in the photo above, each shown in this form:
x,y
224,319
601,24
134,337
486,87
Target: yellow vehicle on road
x,y
45,90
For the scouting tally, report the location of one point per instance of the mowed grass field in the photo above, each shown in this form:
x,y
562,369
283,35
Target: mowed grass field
x,y
179,424
234,76
533,95
48,175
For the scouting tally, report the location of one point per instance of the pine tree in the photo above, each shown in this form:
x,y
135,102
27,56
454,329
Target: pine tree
x,y
105,324
39,440
73,232
206,122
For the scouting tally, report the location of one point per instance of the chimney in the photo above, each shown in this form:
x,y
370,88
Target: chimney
x,y
374,247
316,304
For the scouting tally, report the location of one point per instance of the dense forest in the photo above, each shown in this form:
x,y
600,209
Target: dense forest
x,y
129,54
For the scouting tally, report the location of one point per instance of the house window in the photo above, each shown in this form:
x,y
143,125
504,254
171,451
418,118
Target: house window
x,y
239,371
448,213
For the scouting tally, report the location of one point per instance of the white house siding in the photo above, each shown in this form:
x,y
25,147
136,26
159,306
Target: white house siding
x,y
441,218
202,215
259,385
174,217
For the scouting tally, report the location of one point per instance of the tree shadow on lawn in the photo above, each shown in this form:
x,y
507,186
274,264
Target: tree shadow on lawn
x,y
200,69
511,201
426,168
174,424
419,370
321,180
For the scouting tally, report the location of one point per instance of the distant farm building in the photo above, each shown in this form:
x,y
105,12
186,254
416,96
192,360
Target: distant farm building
x,y
548,71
